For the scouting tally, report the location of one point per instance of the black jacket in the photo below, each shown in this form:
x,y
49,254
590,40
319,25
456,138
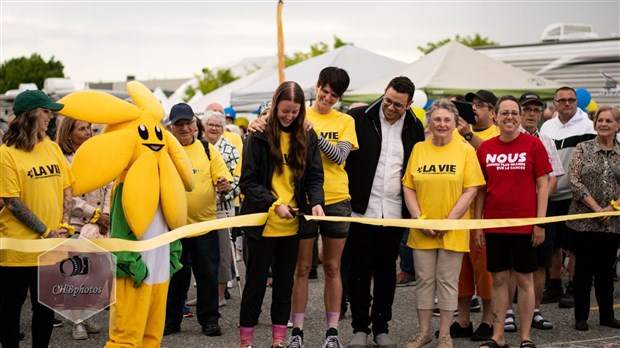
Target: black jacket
x,y
362,164
255,182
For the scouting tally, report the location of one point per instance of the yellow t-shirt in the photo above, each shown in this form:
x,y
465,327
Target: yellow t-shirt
x,y
488,133
439,175
201,201
38,178
283,188
334,127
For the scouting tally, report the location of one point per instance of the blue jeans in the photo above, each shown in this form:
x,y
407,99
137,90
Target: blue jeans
x,y
202,255
406,255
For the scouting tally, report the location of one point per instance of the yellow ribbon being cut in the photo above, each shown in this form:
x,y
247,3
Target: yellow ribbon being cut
x,y
193,230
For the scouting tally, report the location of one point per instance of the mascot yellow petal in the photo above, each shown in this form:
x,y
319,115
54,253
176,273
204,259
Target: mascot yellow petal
x,y
145,99
172,193
141,193
96,163
181,162
98,107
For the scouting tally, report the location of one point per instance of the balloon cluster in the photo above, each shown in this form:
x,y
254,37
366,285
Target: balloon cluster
x,y
585,101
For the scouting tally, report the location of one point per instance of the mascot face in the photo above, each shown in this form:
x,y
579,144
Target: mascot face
x,y
134,150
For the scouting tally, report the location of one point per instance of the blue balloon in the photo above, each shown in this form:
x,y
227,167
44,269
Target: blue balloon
x,y
428,104
583,98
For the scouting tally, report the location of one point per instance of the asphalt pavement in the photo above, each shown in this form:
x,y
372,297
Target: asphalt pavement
x,y
402,327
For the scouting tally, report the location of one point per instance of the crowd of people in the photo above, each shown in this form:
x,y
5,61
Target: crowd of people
x,y
378,160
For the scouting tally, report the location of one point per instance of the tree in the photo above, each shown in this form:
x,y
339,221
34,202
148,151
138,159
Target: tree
x,y
476,41
315,50
28,70
209,81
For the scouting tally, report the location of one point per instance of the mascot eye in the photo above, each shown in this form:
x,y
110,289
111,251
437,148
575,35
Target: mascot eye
x,y
159,133
144,133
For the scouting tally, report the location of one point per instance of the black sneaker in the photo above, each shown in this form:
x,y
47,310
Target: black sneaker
x,y
484,332
57,322
170,329
475,306
212,330
437,312
568,300
457,331
552,295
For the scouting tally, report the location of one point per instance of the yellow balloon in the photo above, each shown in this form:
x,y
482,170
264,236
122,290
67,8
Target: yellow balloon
x,y
592,106
420,114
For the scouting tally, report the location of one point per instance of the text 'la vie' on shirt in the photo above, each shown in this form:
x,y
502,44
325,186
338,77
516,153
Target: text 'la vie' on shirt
x,y
439,174
510,169
334,127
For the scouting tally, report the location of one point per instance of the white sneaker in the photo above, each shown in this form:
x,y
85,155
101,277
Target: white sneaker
x,y
332,342
79,332
91,327
359,340
229,284
222,303
295,342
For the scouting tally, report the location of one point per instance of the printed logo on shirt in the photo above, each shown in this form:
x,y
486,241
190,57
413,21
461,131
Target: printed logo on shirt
x,y
511,161
43,172
437,169
330,135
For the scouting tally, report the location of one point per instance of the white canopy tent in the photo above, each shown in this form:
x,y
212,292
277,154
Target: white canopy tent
x,y
458,69
362,66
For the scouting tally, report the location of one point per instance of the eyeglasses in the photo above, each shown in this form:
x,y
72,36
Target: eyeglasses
x,y
479,104
505,114
389,102
533,111
566,100
212,125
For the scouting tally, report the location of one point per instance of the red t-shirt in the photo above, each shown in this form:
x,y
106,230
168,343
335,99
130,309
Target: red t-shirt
x,y
510,170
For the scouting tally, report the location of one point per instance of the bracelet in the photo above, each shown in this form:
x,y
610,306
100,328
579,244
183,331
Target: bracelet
x,y
96,216
46,233
543,226
615,205
70,229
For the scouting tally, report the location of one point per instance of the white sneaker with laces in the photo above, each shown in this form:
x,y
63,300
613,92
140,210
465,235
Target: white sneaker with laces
x,y
295,342
79,332
332,342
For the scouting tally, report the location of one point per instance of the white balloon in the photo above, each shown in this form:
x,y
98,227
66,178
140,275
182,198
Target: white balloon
x,y
419,99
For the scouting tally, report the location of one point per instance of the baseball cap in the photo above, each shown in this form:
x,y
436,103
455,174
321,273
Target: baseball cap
x,y
34,99
483,95
181,111
530,97
264,105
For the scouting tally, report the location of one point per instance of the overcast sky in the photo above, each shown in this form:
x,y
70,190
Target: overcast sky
x,y
107,40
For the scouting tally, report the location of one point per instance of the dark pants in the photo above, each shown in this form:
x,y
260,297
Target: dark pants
x,y
281,254
15,283
595,256
202,256
372,255
406,255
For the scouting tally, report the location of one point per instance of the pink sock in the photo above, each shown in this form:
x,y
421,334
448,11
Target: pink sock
x,y
298,319
247,335
278,333
332,319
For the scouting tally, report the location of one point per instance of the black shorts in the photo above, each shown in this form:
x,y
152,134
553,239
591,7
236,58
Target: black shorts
x,y
333,229
545,250
563,234
507,251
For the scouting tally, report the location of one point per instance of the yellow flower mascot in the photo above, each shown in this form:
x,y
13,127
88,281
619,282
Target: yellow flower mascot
x,y
151,173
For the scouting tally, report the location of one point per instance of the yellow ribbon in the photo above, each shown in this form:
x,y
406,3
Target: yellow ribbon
x,y
197,229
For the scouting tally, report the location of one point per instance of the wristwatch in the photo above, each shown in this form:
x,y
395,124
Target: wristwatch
x,y
541,226
468,136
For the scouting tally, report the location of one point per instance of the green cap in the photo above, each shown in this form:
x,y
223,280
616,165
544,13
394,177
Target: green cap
x,y
34,99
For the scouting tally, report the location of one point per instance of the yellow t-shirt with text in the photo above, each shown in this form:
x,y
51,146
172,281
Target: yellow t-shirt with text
x,y
439,175
38,178
283,188
334,127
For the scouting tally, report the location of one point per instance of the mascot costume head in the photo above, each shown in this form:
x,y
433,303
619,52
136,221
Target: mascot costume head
x,y
135,149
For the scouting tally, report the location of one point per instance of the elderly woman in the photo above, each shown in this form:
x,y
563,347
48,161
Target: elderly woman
x,y
594,174
512,159
440,182
214,123
32,167
90,215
